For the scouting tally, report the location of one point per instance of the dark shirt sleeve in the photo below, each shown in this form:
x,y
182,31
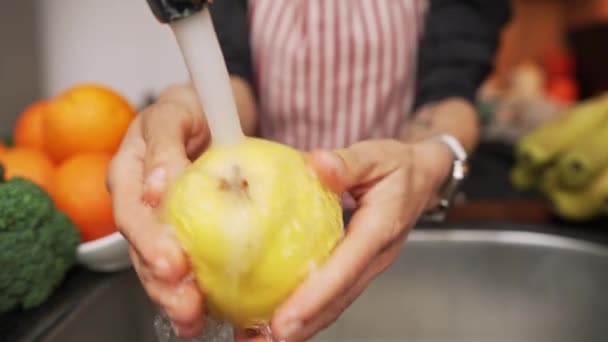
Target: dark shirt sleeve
x,y
458,47
231,22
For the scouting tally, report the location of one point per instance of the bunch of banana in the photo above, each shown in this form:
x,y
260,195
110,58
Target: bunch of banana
x,y
584,160
566,159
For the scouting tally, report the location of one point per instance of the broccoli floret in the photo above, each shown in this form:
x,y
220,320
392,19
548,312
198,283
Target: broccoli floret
x,y
37,244
23,205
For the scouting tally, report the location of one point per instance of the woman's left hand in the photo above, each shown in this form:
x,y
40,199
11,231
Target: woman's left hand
x,y
393,183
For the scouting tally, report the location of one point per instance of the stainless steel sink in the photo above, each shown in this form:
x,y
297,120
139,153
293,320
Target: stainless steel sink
x,y
448,285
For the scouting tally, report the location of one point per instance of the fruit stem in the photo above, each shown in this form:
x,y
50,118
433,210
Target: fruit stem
x,y
236,183
201,51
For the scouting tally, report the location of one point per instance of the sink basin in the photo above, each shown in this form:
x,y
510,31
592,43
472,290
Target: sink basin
x,y
447,285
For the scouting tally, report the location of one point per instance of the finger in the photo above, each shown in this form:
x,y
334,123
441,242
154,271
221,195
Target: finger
x,y
182,301
374,226
359,164
182,305
153,241
132,146
165,128
174,129
143,273
335,276
330,314
150,243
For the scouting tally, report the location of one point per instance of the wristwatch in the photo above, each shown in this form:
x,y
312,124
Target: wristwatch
x,y
450,189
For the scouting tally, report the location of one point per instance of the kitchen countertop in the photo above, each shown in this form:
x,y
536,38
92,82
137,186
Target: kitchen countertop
x,y
30,325
490,166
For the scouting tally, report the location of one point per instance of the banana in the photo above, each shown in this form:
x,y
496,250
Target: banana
x,y
548,182
585,160
602,189
573,206
581,204
542,146
523,178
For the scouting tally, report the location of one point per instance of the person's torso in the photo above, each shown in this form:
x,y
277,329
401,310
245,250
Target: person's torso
x,y
333,72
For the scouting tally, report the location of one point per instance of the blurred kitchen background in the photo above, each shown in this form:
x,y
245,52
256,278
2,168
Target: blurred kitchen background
x,y
552,57
48,46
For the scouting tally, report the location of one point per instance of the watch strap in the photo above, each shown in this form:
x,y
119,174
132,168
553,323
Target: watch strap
x,y
459,172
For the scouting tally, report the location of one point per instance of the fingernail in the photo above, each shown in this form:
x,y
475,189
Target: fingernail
x,y
156,179
289,329
336,161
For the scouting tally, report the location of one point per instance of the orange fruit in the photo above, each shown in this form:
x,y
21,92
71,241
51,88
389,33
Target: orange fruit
x,y
79,190
3,148
28,129
28,163
86,118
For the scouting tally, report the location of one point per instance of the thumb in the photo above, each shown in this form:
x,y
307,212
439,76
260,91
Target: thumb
x,y
165,128
359,164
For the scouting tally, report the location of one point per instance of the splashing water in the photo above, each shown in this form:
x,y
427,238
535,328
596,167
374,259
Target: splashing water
x,y
266,332
201,51
215,331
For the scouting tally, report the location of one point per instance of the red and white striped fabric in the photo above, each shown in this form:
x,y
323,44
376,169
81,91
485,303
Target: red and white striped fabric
x,y
333,72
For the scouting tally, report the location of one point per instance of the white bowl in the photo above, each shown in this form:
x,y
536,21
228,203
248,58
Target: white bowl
x,y
107,254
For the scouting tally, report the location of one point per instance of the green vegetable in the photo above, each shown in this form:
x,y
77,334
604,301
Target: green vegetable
x,y
37,244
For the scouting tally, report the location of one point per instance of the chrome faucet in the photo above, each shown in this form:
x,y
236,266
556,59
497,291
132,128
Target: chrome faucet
x,y
167,11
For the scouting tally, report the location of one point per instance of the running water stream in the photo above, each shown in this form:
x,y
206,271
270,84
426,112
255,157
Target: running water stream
x,y
201,52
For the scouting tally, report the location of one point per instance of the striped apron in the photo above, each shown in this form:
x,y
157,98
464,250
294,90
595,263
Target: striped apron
x,y
334,72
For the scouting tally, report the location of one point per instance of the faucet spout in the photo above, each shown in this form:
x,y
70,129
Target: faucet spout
x,y
167,11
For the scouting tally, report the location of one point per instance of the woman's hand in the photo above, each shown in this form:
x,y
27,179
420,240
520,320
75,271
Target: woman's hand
x,y
392,183
160,142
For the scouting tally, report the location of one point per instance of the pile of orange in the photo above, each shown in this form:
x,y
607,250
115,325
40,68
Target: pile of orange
x,y
65,144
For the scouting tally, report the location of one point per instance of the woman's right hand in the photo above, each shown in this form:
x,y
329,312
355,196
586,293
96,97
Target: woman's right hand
x,y
158,145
